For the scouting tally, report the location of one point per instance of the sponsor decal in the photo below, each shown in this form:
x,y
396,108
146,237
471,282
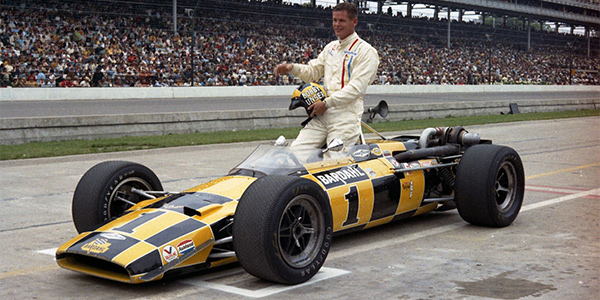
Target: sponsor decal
x,y
411,165
388,155
371,172
405,185
170,206
361,153
185,246
408,186
169,253
107,244
96,246
112,236
341,176
376,151
426,164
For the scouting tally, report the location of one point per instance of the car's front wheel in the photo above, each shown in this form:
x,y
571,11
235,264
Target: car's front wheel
x,y
282,229
106,191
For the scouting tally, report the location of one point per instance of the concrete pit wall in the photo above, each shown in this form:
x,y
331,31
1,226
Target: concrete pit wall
x,y
25,130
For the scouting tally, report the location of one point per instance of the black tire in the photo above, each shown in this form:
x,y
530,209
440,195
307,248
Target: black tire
x,y
282,229
95,200
490,184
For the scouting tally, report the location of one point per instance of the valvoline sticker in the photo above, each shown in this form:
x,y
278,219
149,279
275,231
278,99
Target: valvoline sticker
x,y
169,253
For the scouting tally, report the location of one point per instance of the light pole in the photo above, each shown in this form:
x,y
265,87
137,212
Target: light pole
x,y
193,46
489,39
192,14
570,63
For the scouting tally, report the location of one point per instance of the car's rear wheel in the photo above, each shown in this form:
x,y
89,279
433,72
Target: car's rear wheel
x,y
490,185
105,192
282,229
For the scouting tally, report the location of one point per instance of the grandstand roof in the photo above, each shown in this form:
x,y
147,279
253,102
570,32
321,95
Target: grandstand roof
x,y
542,12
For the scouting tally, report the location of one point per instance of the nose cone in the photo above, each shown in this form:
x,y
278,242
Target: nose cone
x,y
140,246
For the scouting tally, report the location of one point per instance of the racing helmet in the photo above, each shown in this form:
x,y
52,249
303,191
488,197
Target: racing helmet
x,y
307,94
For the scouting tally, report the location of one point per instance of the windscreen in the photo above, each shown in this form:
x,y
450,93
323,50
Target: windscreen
x,y
271,160
279,160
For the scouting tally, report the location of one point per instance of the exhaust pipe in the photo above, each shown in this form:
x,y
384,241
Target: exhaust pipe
x,y
448,135
425,152
427,134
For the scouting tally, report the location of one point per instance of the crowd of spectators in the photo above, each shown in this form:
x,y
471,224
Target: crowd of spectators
x,y
95,43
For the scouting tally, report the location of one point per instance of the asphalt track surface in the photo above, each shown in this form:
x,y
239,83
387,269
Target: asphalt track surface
x,y
551,251
26,109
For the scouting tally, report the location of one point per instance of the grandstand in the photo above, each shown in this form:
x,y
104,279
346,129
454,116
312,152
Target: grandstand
x,y
71,43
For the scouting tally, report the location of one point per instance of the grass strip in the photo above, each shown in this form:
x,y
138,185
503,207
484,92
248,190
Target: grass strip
x,y
72,147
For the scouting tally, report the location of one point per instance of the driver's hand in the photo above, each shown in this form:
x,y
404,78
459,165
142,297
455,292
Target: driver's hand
x,y
318,108
282,69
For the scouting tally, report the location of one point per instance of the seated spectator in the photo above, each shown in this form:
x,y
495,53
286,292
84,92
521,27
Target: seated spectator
x,y
97,45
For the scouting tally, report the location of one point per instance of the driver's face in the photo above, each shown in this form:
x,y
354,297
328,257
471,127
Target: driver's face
x,y
343,26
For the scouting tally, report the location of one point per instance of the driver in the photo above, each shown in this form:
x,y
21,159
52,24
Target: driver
x,y
347,67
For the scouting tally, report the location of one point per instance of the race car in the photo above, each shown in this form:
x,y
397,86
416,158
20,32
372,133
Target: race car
x,y
278,210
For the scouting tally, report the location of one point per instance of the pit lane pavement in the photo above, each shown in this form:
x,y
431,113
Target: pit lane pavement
x,y
552,249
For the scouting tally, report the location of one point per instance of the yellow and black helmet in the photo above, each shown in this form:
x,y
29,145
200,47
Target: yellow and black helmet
x,y
307,94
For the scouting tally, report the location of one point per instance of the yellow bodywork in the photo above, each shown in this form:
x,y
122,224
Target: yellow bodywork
x,y
348,183
411,194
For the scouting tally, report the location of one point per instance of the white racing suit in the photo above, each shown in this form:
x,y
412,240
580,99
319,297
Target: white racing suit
x,y
347,66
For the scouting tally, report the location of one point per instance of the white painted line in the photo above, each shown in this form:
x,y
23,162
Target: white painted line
x,y
50,251
324,273
548,189
202,281
438,230
595,192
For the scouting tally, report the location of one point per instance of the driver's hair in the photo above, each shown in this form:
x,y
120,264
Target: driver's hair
x,y
350,8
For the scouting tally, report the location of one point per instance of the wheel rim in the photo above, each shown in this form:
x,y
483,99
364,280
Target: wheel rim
x,y
122,197
301,231
505,187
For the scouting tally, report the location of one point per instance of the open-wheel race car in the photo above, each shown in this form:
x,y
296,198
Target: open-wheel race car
x,y
277,211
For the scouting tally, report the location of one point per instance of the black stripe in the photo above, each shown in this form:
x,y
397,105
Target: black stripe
x,y
174,232
145,263
141,219
387,197
192,200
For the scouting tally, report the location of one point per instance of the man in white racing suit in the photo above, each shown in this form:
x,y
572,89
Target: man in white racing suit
x,y
347,67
